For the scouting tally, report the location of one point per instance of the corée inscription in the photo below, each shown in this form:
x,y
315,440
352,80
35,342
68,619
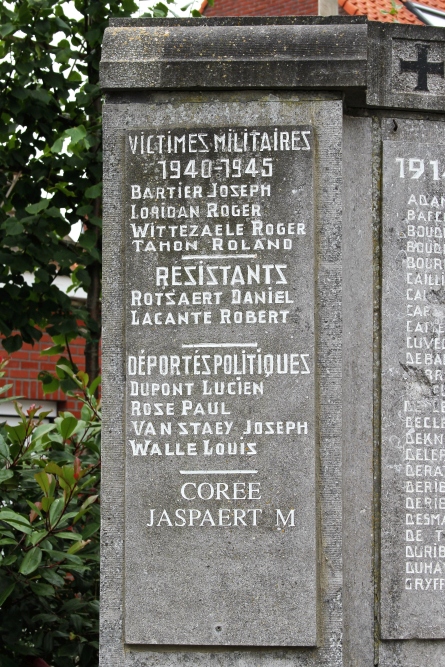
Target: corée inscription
x,y
413,392
220,474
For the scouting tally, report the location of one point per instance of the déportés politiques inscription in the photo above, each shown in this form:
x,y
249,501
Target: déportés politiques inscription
x,y
220,427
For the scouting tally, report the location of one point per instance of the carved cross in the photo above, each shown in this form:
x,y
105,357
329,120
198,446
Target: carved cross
x,y
422,66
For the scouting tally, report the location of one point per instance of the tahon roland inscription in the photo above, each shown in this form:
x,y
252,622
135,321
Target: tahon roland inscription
x,y
220,474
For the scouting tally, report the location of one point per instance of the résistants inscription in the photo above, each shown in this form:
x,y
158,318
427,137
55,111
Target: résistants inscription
x,y
220,385
414,390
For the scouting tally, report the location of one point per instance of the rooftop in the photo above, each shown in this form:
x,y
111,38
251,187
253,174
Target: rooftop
x,y
387,11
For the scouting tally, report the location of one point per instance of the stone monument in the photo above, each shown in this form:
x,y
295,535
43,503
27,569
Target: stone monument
x,y
274,343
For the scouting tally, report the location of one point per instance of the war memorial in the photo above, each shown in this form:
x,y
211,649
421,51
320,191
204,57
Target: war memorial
x,y
274,344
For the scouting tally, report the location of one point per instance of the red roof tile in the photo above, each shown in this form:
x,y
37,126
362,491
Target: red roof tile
x,y
379,10
260,8
375,10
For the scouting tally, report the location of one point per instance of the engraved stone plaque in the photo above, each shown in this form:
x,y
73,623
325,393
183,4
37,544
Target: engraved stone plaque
x,y
413,392
220,499
418,67
406,67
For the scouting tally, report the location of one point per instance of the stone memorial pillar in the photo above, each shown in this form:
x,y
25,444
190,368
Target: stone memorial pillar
x,y
273,466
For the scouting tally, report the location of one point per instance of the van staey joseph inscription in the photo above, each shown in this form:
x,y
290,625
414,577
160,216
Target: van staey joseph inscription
x,y
283,427
220,435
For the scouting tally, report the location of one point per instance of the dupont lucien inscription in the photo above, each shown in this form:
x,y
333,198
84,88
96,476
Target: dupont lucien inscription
x,y
413,392
220,425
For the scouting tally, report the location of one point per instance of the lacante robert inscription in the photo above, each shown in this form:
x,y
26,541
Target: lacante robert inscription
x,y
220,473
413,392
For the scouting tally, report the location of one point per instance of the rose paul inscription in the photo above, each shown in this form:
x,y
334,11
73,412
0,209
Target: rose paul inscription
x,y
413,391
220,422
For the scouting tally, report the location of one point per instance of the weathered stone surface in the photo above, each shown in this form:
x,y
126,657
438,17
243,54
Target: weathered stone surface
x,y
332,616
406,67
357,317
413,428
224,111
234,54
220,441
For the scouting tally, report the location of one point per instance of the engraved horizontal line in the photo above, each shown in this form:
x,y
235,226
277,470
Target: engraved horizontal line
x,y
219,257
192,345
218,472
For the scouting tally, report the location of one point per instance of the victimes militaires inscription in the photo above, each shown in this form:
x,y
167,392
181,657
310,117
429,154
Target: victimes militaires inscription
x,y
413,391
220,473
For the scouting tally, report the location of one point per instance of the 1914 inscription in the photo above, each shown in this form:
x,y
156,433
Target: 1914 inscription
x,y
413,391
220,473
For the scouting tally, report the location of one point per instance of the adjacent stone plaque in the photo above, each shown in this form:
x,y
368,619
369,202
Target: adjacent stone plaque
x,y
220,493
413,392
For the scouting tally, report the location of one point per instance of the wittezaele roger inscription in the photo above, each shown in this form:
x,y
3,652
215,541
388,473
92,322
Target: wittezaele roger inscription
x,y
220,367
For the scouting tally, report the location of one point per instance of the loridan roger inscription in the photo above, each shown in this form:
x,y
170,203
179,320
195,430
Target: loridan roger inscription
x,y
220,475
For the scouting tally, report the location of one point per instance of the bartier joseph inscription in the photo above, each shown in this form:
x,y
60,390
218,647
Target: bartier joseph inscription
x,y
220,424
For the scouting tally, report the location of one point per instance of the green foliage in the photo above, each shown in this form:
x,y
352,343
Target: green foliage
x,y
49,541
51,163
50,157
394,11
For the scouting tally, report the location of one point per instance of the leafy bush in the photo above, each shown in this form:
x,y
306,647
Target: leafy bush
x,y
49,541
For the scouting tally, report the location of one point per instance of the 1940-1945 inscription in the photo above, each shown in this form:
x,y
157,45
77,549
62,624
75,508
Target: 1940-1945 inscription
x,y
220,426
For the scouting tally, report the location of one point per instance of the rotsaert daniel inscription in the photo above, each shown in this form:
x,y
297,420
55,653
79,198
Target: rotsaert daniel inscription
x,y
220,472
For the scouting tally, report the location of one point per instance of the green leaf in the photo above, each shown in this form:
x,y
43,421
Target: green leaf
x,y
47,502
43,481
5,388
12,343
69,535
7,29
89,501
9,560
56,510
15,520
90,530
31,561
4,595
67,427
64,555
34,508
94,191
42,430
55,349
12,227
44,590
54,469
76,134
40,95
50,383
37,208
58,145
5,474
77,546
52,577
74,76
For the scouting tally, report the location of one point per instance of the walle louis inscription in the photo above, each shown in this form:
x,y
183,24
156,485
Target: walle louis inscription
x,y
413,391
220,428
